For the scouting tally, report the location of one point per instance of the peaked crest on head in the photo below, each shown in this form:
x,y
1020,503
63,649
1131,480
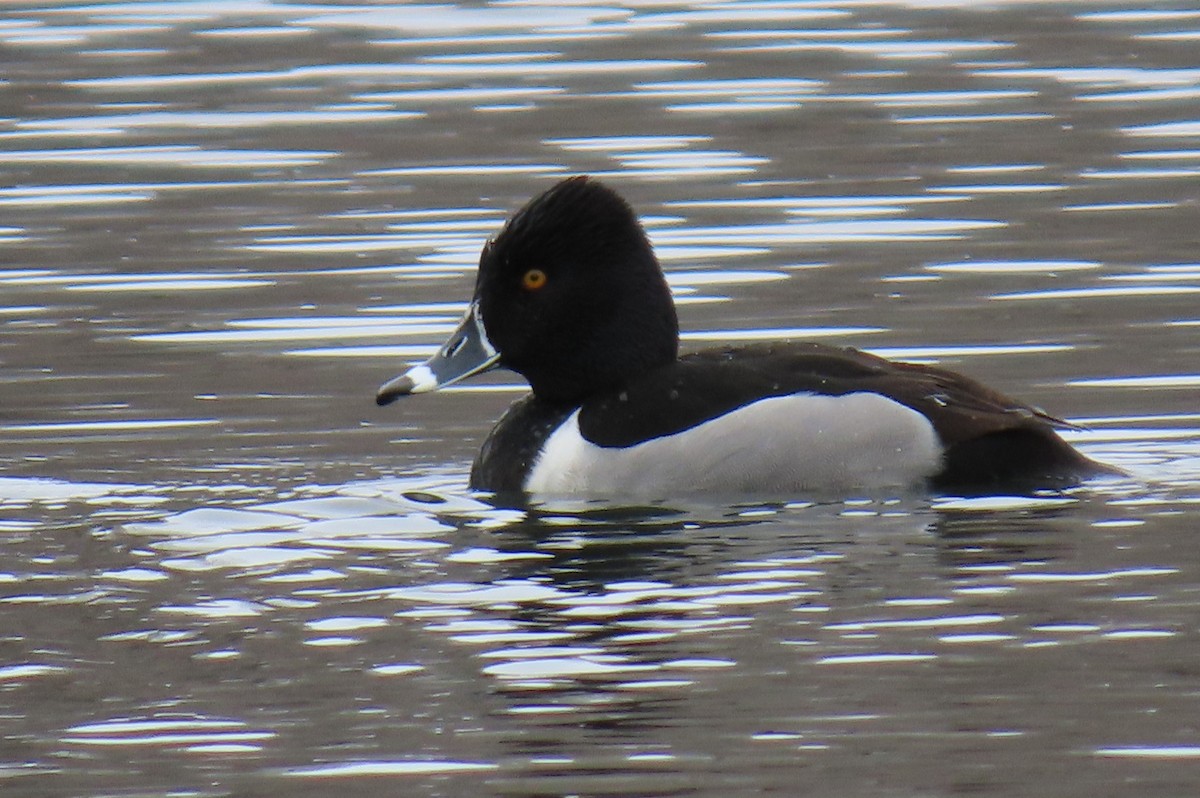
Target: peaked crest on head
x,y
573,211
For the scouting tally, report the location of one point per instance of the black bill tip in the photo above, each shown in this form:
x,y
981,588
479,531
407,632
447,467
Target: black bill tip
x,y
394,389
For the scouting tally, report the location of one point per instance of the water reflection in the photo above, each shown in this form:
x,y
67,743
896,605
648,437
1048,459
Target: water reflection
x,y
196,735
224,120
157,155
579,614
224,218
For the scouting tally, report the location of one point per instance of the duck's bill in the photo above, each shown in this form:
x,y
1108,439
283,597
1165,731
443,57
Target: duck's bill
x,y
466,352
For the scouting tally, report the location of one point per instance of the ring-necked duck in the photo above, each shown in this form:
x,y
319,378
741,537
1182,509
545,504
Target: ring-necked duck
x,y
570,295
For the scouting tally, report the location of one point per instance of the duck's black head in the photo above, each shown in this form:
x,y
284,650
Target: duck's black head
x,y
571,295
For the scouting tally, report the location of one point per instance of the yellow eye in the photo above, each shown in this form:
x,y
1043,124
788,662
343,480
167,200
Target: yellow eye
x,y
533,279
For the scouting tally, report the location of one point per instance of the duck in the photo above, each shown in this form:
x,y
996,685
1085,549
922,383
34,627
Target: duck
x,y
570,295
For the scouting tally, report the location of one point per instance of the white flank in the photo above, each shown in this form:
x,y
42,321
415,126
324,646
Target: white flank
x,y
802,442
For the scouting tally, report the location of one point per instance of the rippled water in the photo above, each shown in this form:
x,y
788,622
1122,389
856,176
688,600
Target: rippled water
x,y
227,572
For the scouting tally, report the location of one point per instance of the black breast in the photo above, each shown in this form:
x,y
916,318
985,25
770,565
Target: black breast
x,y
512,448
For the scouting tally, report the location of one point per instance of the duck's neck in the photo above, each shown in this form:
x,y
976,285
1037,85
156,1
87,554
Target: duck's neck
x,y
628,335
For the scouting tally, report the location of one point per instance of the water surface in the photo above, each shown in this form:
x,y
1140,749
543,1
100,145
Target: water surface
x,y
227,572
